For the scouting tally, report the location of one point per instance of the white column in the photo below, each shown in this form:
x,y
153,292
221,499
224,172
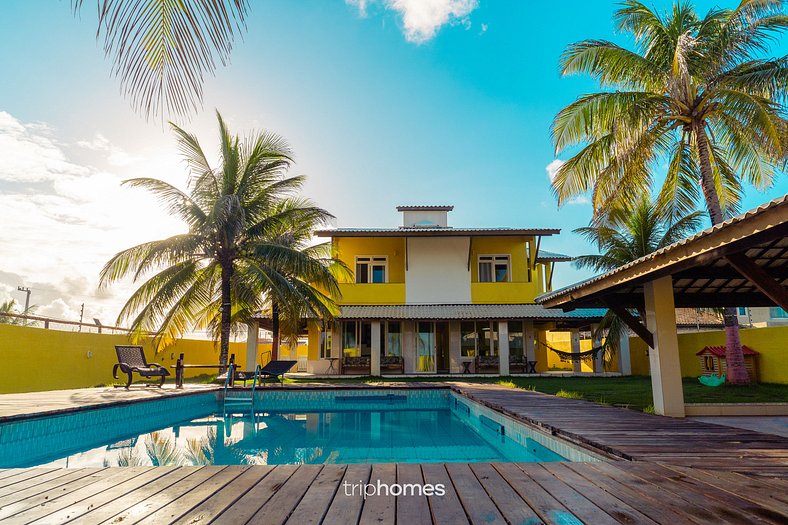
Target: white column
x,y
624,363
664,358
574,341
529,342
596,341
503,348
252,335
336,339
455,343
375,349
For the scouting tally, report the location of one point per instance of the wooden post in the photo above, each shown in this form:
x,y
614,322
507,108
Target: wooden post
x,y
664,356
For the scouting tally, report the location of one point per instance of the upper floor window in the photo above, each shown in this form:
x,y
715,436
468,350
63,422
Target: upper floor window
x,y
371,269
494,269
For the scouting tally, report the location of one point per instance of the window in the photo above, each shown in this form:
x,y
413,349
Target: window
x,y
777,312
515,338
468,339
708,363
393,339
356,338
494,269
325,342
371,270
742,310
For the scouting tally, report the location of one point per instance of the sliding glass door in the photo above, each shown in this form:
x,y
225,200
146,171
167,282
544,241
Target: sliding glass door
x,y
425,347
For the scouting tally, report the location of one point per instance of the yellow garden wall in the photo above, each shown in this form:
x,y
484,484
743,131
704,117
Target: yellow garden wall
x,y
771,343
561,341
35,359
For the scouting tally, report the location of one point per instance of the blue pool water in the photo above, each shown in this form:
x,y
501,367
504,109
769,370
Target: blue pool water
x,y
286,427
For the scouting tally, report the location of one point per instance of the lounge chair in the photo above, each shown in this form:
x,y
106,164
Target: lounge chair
x,y
132,359
277,370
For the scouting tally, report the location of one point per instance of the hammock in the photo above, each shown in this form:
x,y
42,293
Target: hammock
x,y
567,357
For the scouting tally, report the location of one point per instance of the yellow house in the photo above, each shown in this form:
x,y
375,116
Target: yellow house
x,y
428,298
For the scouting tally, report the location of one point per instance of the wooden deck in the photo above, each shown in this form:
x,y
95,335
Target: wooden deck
x,y
671,471
558,493
637,436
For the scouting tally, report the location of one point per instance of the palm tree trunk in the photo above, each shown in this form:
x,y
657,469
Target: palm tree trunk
x,y
275,329
226,313
735,373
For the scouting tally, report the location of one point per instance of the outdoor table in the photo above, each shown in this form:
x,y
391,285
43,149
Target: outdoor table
x,y
531,367
180,366
466,367
331,368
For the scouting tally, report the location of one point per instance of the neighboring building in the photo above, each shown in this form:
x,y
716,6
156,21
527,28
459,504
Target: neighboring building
x,y
433,299
762,316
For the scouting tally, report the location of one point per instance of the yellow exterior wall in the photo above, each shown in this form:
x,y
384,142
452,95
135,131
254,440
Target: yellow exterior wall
x,y
771,343
519,290
561,341
35,359
348,248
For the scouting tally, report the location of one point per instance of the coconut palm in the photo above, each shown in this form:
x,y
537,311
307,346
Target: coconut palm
x,y
626,235
696,94
162,49
230,261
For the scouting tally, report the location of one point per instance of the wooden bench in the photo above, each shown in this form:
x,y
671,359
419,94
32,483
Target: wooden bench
x,y
362,365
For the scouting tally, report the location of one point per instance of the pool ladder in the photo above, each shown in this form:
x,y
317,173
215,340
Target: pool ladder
x,y
234,403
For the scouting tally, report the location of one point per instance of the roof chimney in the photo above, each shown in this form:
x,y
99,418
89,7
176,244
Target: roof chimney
x,y
425,216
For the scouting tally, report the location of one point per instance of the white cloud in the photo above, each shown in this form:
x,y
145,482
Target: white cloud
x,y
421,19
552,171
115,156
63,220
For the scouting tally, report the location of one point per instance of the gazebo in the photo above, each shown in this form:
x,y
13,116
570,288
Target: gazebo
x,y
740,262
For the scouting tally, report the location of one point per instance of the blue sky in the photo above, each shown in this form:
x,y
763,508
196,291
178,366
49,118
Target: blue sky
x,y
383,102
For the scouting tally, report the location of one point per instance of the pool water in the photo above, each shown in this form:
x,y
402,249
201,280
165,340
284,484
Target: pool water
x,y
288,427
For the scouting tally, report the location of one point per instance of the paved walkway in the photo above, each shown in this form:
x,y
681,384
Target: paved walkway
x,y
777,425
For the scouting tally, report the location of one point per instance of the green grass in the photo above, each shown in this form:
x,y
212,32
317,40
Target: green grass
x,y
631,392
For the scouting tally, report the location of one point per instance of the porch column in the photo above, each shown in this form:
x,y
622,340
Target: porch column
x,y
529,340
503,348
596,341
574,341
336,339
664,357
252,335
375,349
624,363
455,343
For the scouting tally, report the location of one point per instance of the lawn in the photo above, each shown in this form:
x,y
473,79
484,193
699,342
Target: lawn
x,y
632,391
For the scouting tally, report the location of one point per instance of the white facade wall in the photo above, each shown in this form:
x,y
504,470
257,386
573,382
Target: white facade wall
x,y
437,270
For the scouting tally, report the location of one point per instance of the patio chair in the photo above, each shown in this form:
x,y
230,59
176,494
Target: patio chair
x,y
132,359
277,370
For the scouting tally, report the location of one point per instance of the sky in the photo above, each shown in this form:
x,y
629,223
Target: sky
x,y
384,102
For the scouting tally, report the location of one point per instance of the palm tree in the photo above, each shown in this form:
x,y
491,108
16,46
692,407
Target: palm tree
x,y
230,262
162,49
695,94
627,234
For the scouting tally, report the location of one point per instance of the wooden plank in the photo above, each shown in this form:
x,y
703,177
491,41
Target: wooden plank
x,y
545,505
576,503
17,475
476,502
611,504
647,502
224,498
247,505
446,509
412,507
509,503
760,490
380,508
346,509
314,505
37,484
156,500
110,509
172,511
65,495
113,493
278,508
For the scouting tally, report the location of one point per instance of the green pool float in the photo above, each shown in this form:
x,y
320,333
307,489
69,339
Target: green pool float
x,y
712,380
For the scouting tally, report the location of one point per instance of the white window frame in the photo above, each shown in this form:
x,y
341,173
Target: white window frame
x,y
373,260
493,259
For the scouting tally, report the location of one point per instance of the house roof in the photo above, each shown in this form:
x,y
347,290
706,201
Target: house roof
x,y
546,256
694,317
719,351
426,208
700,265
436,232
466,311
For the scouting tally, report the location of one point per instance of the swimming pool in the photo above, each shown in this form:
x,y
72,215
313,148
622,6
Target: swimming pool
x,y
286,427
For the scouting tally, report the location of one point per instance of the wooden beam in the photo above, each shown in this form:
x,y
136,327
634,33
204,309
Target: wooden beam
x,y
760,278
632,322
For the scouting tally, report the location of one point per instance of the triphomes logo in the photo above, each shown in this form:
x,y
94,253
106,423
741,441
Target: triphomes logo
x,y
380,488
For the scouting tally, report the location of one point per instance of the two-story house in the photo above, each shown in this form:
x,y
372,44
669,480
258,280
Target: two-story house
x,y
428,298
